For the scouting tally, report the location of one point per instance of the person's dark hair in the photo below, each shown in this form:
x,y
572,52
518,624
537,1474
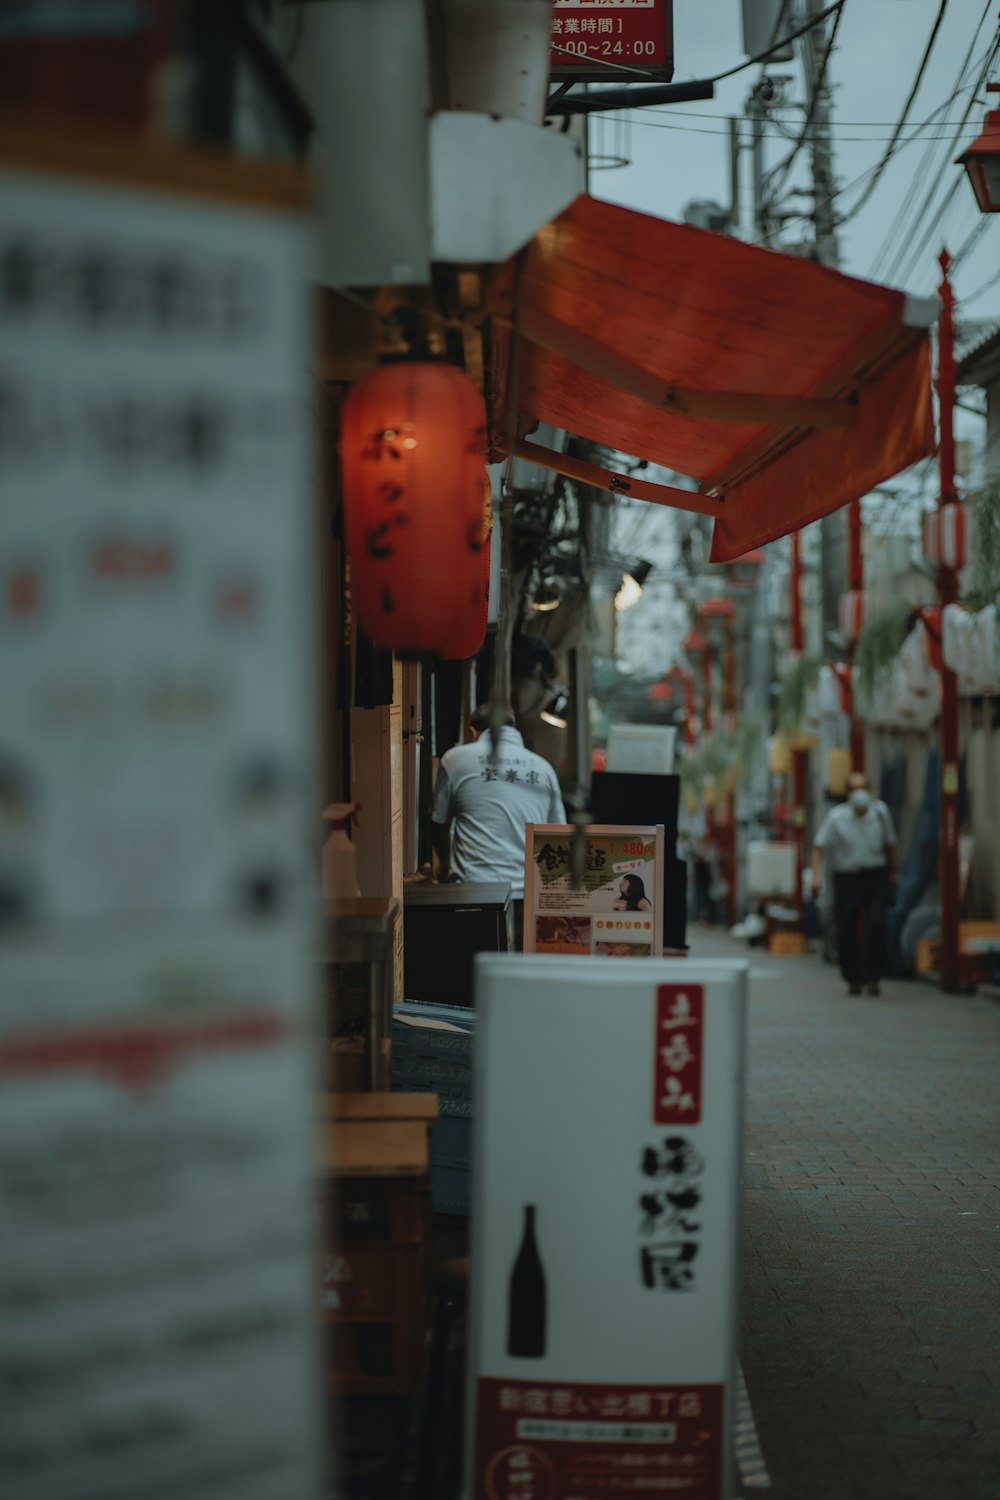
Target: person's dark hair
x,y
635,892
480,718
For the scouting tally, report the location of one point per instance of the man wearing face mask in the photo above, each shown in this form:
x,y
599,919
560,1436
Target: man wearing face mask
x,y
861,841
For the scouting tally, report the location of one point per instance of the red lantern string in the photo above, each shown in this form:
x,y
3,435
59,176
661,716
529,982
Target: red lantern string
x,y
413,439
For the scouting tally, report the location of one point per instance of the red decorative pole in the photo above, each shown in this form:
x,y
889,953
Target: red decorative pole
x,y
856,582
679,677
947,582
798,754
689,709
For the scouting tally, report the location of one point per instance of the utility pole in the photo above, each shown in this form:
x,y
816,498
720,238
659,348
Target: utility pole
x,y
947,582
814,43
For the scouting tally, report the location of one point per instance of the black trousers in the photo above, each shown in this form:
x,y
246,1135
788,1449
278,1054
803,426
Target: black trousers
x,y
860,901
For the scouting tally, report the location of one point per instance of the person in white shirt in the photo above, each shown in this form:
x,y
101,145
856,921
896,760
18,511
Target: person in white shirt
x,y
861,840
485,795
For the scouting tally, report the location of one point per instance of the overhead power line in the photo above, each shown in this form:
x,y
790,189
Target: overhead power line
x,y
888,154
894,236
638,98
941,133
808,131
907,260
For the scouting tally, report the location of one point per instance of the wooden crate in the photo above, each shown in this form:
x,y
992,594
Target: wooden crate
x,y
927,955
789,943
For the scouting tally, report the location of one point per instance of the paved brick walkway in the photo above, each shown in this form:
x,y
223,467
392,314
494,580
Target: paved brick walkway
x,y
871,1305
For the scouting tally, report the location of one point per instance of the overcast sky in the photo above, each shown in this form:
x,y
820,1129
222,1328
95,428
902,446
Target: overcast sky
x,y
681,152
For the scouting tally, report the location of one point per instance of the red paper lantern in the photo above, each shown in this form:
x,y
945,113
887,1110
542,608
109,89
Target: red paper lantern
x,y
412,445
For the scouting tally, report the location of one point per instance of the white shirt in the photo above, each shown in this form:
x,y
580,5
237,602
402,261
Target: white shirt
x,y
491,801
857,841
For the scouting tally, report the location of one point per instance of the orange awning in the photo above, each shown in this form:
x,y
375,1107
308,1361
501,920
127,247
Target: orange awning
x,y
784,388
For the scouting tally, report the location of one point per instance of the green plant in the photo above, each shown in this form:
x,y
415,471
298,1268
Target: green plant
x,y
984,582
711,761
797,681
751,746
879,640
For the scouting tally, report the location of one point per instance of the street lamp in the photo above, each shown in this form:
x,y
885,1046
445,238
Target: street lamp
x,y
554,712
742,571
631,590
981,161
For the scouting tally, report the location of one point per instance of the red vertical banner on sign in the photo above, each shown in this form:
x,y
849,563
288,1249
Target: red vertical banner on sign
x,y
678,1050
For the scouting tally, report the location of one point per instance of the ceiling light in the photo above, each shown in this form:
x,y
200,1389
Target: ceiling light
x,y
554,712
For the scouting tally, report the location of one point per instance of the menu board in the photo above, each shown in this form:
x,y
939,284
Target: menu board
x,y
605,1228
157,887
597,890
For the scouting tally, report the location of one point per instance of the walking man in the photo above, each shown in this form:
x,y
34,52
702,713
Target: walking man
x,y
861,841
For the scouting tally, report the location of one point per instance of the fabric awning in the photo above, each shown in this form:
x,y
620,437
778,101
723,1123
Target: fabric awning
x,y
784,388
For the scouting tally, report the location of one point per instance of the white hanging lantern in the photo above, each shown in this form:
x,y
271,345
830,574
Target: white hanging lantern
x,y
851,613
945,535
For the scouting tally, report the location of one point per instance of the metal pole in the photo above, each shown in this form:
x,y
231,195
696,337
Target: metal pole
x,y
735,210
729,711
799,791
856,580
706,729
813,46
948,593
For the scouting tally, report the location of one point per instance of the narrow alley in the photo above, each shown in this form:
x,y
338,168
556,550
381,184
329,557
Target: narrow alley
x,y
871,1316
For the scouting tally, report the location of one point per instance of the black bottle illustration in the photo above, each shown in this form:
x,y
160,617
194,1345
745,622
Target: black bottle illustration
x,y
526,1302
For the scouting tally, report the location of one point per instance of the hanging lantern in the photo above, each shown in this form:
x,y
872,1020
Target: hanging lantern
x,y
742,571
851,613
982,161
716,616
412,444
695,646
945,536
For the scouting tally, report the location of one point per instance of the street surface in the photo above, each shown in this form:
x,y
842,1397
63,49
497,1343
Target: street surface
x,y
871,1254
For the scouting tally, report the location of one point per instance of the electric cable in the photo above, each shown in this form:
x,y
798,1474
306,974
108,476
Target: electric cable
x,y
905,260
903,241
785,166
970,243
918,80
986,286
833,136
638,98
915,135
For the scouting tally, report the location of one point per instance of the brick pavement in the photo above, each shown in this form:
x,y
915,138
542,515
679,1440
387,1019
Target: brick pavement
x,y
871,1251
